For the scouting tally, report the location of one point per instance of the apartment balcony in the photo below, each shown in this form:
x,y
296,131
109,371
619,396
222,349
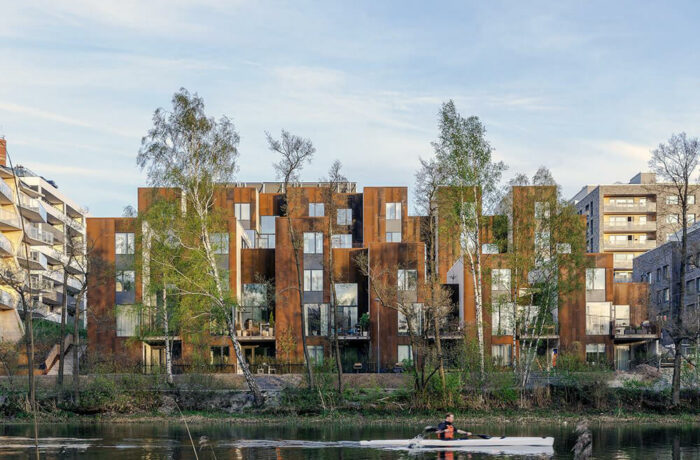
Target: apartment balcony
x,y
56,216
52,297
32,209
629,245
256,331
6,249
9,220
31,259
57,233
626,333
633,208
74,283
610,227
545,332
7,301
624,264
34,236
6,195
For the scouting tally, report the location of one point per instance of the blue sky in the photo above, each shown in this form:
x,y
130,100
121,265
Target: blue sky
x,y
585,88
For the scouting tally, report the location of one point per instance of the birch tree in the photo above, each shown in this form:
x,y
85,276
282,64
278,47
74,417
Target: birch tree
x,y
472,178
676,163
294,153
194,154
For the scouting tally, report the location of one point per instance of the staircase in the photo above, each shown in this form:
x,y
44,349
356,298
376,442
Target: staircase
x,y
52,360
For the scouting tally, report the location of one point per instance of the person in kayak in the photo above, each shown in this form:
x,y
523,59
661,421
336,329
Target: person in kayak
x,y
446,430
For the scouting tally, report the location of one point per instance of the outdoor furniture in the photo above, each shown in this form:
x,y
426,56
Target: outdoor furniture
x,y
357,367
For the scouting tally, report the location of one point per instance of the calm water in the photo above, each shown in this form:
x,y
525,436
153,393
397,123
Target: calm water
x,y
326,441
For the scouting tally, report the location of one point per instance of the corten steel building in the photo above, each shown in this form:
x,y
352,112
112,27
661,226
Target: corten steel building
x,y
376,223
626,220
39,228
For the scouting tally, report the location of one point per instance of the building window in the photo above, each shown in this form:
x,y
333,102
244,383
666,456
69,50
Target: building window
x,y
254,295
500,279
666,295
489,248
346,294
595,353
415,316
665,271
541,210
127,317
315,354
219,243
690,218
313,280
266,240
691,199
125,287
672,199
346,299
622,315
595,279
393,211
344,216
124,243
393,237
316,210
218,355
341,241
503,318
313,243
404,354
542,245
242,211
658,274
689,285
408,280
316,319
697,285
672,218
597,318
563,248
502,354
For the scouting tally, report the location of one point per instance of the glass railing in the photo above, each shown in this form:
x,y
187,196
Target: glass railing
x,y
9,217
5,244
6,190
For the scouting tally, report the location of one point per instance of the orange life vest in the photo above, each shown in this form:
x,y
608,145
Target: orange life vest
x,y
448,433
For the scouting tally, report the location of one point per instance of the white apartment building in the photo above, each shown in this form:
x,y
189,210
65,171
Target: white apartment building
x,y
39,230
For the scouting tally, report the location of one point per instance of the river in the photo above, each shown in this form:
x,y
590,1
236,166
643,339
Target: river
x,y
302,440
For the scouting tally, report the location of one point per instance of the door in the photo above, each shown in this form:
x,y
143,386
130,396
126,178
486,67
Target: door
x,y
622,357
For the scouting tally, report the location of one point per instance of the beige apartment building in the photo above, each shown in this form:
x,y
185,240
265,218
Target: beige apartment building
x,y
630,219
39,228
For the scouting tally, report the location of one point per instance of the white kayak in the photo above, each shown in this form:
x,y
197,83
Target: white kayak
x,y
505,441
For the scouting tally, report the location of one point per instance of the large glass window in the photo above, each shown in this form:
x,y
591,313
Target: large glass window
x,y
219,355
393,237
597,318
393,211
313,243
313,280
344,216
622,315
595,279
408,280
219,243
316,210
405,354
541,210
414,314
267,232
127,318
500,279
125,287
124,243
502,354
242,211
672,199
595,353
503,318
346,294
254,295
315,354
341,241
316,319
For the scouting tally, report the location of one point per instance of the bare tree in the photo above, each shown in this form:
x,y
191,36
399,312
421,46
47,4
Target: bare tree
x,y
294,152
188,151
676,163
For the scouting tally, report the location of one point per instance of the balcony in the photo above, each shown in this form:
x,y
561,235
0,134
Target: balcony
x,y
32,209
623,264
629,227
56,216
54,256
546,332
6,195
7,301
6,249
34,236
58,236
256,330
632,208
33,260
632,245
626,333
9,220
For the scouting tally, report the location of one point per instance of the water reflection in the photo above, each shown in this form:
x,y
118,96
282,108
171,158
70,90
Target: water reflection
x,y
332,441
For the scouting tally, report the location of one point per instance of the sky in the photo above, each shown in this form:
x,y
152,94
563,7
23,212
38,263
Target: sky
x,y
584,88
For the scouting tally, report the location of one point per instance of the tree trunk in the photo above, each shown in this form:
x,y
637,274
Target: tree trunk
x,y
76,347
250,380
676,381
64,314
29,348
336,344
680,306
166,334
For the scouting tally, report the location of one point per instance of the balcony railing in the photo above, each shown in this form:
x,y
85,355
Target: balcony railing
x,y
636,207
61,216
6,249
33,259
7,300
629,227
629,244
9,218
623,263
6,194
622,332
35,210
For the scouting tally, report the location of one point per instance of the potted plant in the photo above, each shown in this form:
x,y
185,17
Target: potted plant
x,y
364,324
272,324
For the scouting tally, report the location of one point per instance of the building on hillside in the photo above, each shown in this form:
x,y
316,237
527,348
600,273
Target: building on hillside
x,y
626,220
39,227
376,224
